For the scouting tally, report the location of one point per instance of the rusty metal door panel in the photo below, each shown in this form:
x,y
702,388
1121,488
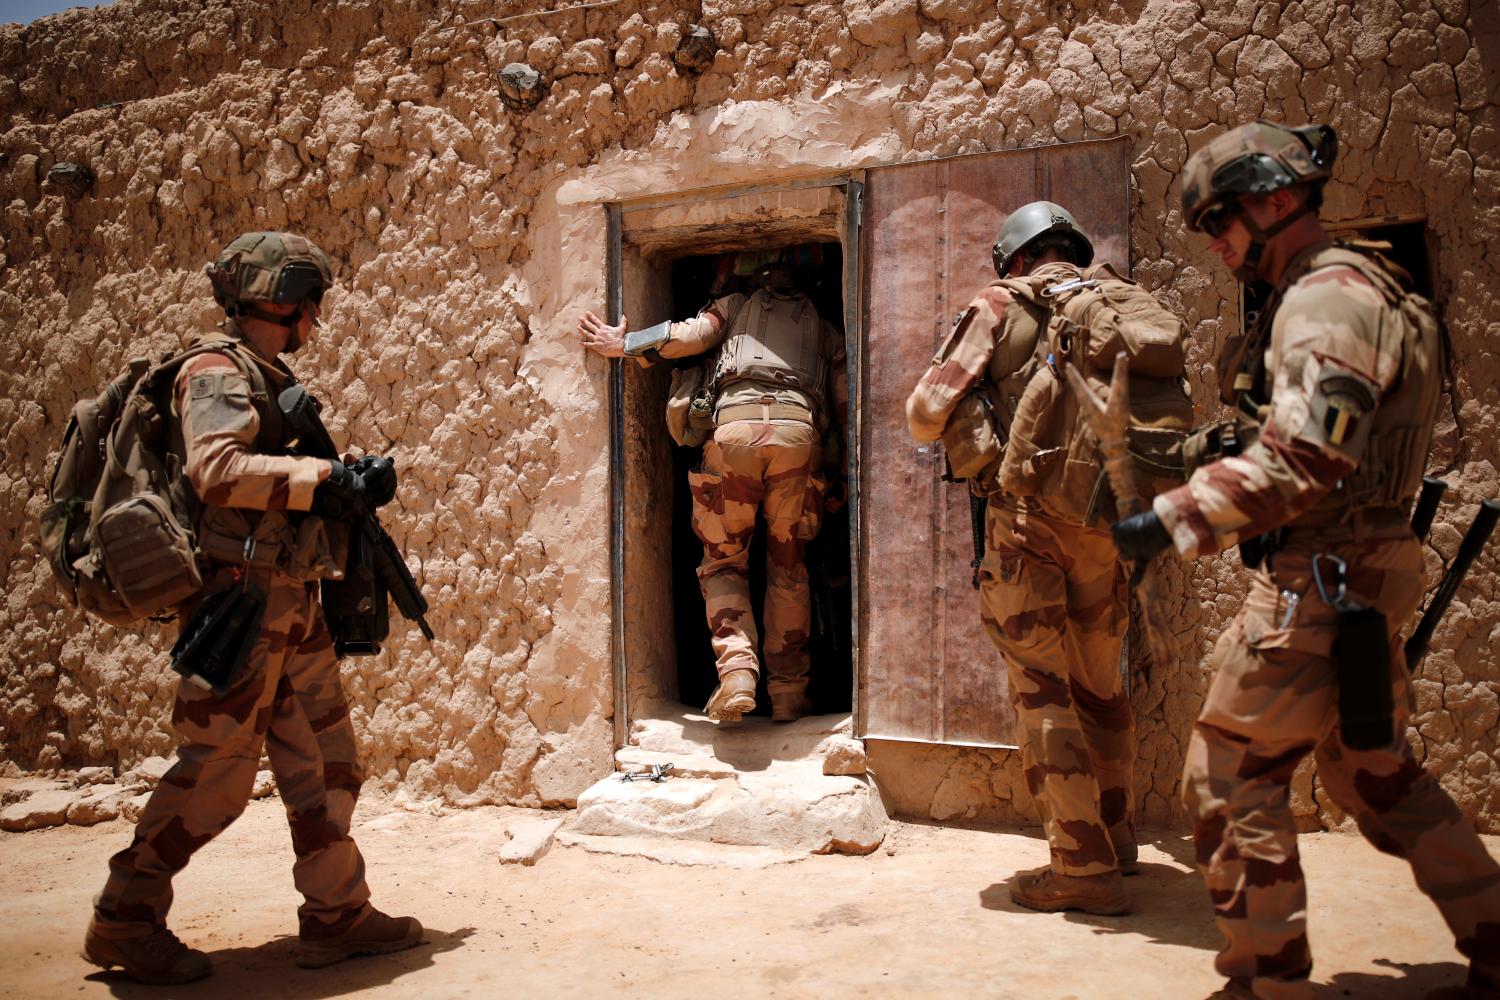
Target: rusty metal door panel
x,y
928,671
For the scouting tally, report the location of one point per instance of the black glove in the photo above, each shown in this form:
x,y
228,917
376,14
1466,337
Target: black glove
x,y
379,475
1140,538
343,494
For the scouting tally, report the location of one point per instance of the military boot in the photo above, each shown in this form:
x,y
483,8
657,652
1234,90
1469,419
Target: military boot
x,y
734,696
1049,892
373,934
154,956
1128,858
789,706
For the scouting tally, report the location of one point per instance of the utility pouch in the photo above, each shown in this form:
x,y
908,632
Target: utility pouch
x,y
972,442
215,643
690,407
1362,655
700,419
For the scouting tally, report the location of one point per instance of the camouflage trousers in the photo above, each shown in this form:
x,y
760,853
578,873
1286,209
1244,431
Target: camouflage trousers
x,y
752,466
1053,600
1272,700
288,700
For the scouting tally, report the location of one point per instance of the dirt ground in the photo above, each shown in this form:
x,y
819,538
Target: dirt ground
x,y
926,915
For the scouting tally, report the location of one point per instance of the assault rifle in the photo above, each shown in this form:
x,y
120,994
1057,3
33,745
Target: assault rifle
x,y
356,607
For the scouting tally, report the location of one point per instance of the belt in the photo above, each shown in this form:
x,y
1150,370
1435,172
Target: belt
x,y
1358,525
763,411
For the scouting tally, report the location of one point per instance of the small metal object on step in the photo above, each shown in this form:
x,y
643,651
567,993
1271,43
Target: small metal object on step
x,y
658,774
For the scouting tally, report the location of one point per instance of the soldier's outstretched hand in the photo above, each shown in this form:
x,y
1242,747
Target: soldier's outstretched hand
x,y
601,338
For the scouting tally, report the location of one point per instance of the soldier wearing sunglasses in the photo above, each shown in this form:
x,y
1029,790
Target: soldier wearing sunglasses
x,y
1339,382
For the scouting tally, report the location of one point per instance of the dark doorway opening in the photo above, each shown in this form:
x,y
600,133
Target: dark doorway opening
x,y
696,281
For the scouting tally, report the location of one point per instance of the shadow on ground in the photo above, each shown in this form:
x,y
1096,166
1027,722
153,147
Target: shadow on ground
x,y
1407,982
271,970
1169,905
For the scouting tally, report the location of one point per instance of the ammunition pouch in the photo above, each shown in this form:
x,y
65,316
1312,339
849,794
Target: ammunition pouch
x,y
972,441
1362,656
690,407
301,546
215,643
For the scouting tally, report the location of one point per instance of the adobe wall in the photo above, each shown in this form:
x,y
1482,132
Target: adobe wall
x,y
469,238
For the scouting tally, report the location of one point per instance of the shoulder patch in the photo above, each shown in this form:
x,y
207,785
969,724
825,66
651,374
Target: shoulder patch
x,y
961,323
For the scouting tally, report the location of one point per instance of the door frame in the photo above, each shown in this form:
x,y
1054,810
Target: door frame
x,y
849,185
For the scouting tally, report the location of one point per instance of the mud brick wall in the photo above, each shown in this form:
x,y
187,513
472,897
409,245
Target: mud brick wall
x,y
468,238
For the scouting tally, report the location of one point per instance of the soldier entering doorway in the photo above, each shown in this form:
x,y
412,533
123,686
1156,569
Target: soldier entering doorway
x,y
769,405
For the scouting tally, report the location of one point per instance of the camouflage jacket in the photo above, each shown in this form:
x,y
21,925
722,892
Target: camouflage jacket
x,y
996,337
221,423
1336,435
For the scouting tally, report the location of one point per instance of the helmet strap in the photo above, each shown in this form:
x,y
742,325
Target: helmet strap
x,y
290,321
1249,269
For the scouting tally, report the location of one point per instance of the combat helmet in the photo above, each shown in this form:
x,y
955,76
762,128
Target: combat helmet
x,y
775,276
1255,159
1033,221
281,268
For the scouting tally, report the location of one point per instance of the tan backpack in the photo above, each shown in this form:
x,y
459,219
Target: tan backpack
x,y
117,530
1051,455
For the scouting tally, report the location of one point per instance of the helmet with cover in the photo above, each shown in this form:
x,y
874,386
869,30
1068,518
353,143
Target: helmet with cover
x,y
1037,227
1256,159
775,276
278,268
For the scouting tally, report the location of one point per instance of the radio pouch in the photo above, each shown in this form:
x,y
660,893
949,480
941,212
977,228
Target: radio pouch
x,y
216,642
1362,656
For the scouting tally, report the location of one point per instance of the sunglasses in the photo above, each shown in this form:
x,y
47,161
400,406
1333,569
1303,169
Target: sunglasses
x,y
1217,219
299,281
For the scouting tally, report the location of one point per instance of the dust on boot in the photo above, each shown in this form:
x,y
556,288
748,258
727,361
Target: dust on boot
x,y
148,954
1049,891
369,933
734,696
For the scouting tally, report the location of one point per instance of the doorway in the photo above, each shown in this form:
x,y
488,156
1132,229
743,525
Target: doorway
x,y
696,281
667,258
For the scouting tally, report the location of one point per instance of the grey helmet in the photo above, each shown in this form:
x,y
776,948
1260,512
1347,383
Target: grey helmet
x,y
1036,219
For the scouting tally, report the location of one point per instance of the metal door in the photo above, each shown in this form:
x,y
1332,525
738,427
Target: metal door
x,y
928,672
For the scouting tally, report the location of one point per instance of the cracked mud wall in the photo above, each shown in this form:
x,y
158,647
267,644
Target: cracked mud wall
x,y
469,237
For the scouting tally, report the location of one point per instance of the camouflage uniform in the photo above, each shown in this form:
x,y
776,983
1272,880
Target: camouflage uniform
x,y
1053,601
766,455
287,700
1335,467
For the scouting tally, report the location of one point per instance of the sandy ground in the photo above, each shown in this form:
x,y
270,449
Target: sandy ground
x,y
927,915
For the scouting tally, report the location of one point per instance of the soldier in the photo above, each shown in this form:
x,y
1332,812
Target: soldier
x,y
1342,369
1052,594
781,386
254,531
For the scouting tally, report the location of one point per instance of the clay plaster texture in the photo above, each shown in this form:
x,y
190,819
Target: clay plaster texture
x,y
469,237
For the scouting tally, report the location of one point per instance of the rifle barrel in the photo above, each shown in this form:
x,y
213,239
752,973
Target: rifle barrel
x,y
1427,505
1468,551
